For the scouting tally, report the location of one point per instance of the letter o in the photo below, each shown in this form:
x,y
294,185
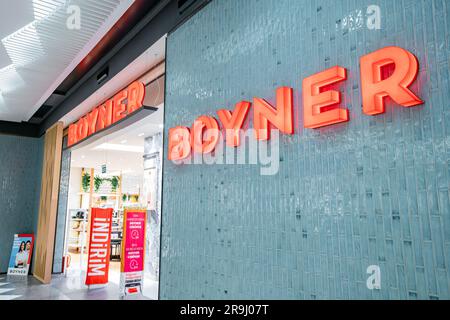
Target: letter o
x,y
204,134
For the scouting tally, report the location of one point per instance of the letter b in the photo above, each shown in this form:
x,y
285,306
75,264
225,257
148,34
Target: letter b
x,y
179,143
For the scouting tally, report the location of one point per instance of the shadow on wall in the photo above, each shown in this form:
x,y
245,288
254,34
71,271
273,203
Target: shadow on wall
x,y
20,181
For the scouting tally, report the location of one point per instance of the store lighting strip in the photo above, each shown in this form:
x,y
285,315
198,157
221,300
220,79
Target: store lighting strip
x,y
119,147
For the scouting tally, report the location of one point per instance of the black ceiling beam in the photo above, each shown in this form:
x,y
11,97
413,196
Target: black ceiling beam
x,y
162,19
24,129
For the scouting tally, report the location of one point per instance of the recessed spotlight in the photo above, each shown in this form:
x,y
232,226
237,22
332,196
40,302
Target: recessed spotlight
x,y
141,134
123,141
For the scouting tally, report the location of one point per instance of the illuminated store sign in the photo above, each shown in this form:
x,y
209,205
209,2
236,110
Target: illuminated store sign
x,y
321,105
111,111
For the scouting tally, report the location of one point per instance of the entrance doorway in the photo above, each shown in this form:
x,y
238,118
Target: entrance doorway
x,y
120,171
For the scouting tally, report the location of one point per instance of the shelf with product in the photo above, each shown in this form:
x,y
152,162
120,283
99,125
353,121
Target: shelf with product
x,y
77,233
93,188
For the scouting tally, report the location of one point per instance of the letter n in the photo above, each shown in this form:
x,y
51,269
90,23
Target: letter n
x,y
281,117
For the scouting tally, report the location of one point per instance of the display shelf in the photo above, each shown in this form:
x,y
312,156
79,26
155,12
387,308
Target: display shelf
x,y
105,195
77,229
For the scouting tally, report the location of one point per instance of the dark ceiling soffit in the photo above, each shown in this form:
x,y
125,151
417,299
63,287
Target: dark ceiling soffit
x,y
131,17
19,129
161,20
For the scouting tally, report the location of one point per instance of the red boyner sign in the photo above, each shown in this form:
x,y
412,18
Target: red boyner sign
x,y
320,104
120,106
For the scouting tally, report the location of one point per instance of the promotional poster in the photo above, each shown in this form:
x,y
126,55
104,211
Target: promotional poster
x,y
22,250
133,246
99,246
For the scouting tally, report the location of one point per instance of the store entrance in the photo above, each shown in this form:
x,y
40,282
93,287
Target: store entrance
x,y
121,171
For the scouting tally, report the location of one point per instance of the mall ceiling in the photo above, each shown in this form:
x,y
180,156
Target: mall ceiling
x,y
43,53
41,44
47,68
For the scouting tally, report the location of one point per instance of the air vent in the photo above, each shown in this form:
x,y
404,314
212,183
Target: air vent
x,y
183,5
40,115
102,75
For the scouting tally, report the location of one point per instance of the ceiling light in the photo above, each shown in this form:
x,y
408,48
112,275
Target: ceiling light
x,y
45,8
2,102
10,79
141,134
161,125
24,45
83,156
119,147
123,141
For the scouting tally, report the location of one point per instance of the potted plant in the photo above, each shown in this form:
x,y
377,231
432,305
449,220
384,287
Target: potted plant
x,y
97,183
86,181
114,183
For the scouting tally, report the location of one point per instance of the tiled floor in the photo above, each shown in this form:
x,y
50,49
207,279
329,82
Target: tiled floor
x,y
65,288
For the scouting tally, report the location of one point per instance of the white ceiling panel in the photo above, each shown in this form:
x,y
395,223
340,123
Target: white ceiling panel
x,y
14,14
38,50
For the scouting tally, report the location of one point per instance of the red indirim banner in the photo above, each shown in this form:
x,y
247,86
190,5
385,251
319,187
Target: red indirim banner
x,y
99,246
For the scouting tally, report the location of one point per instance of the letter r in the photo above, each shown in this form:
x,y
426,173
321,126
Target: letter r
x,y
136,94
374,88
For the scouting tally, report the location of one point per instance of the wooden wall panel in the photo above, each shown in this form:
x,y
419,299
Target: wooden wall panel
x,y
48,203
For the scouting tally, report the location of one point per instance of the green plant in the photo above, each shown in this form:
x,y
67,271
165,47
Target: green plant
x,y
104,198
86,181
124,197
97,183
114,183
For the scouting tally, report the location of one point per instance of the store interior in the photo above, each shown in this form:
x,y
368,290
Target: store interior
x,y
121,170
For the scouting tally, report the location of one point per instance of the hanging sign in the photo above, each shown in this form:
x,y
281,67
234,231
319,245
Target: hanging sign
x,y
133,252
99,246
22,250
111,111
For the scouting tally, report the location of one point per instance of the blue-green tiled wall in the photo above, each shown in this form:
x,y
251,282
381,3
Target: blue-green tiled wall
x,y
373,191
20,184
